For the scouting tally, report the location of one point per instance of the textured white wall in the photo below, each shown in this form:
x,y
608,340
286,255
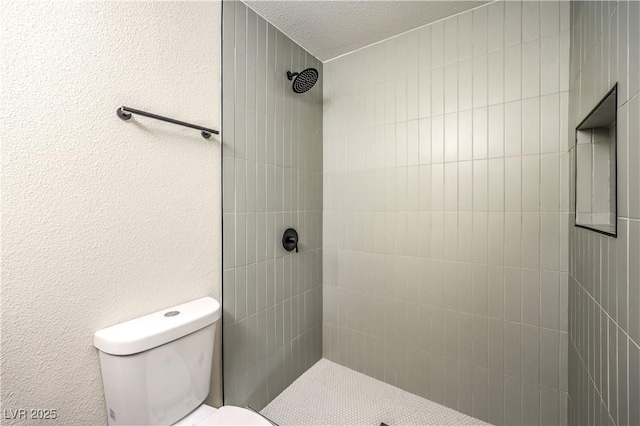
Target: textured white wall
x,y
102,220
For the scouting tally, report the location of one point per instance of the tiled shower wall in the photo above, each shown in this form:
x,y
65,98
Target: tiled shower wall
x,y
604,281
272,180
446,211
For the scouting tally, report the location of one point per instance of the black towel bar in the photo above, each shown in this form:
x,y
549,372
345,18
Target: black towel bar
x,y
125,114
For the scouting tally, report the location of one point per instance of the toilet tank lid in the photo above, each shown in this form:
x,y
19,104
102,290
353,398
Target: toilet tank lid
x,y
158,328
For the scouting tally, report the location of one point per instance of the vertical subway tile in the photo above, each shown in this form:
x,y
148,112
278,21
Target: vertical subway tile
x,y
513,128
634,383
495,71
549,61
496,131
512,349
465,388
513,401
513,292
549,358
512,71
480,81
530,354
496,16
496,348
496,396
531,127
549,299
530,21
512,23
496,184
530,67
549,406
451,383
424,46
530,403
480,401
437,44
480,30
549,18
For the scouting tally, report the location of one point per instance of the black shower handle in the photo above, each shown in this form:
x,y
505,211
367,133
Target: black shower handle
x,y
290,240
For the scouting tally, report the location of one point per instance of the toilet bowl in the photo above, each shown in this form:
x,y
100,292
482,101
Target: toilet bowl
x,y
156,369
205,415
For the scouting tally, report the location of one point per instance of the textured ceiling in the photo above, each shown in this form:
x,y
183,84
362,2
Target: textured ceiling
x,y
329,29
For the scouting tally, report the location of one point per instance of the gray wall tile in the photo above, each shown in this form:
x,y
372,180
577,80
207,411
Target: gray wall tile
x,y
271,300
512,401
481,391
450,382
496,398
512,345
480,332
530,403
634,384
530,354
604,285
437,378
496,345
471,231
549,406
466,391
531,296
549,299
549,358
513,294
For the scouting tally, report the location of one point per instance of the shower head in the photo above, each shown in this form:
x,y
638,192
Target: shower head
x,y
304,80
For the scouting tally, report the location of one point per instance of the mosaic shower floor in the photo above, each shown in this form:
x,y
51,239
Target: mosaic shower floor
x,y
330,394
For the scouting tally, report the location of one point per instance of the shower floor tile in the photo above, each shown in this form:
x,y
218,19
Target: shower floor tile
x,y
330,394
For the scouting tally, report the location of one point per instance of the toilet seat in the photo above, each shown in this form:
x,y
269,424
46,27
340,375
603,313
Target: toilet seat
x,y
229,415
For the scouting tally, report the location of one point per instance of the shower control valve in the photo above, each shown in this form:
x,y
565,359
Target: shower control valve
x,y
290,240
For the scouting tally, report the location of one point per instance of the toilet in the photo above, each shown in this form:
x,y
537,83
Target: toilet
x,y
156,369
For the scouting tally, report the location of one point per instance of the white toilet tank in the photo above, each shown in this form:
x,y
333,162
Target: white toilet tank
x,y
157,369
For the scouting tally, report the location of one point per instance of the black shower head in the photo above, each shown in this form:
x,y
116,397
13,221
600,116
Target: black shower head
x,y
304,80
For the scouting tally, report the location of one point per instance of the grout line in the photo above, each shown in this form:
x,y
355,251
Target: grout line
x,y
408,31
586,369
277,28
605,311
